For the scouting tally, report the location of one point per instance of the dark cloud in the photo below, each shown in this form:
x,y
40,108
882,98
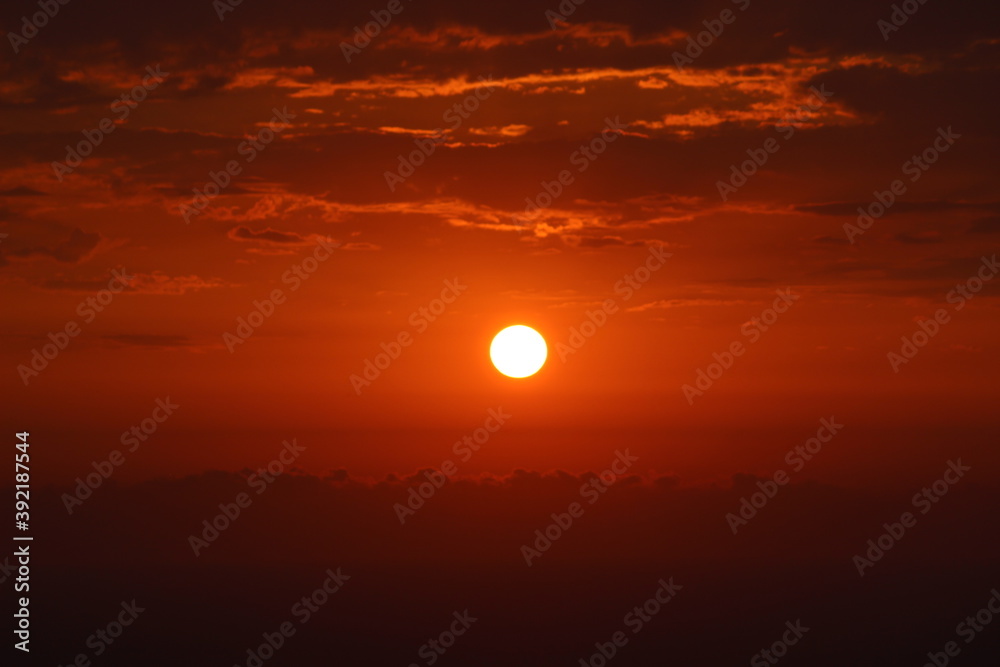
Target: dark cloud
x,y
827,27
989,225
851,208
21,191
604,241
946,96
71,284
267,235
70,249
918,238
832,240
185,192
930,276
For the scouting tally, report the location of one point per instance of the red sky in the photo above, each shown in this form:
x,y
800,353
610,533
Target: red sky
x,y
655,185
233,236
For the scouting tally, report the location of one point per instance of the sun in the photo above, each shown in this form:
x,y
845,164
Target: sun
x,y
518,351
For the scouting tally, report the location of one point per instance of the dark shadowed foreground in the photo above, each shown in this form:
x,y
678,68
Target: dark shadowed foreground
x,y
459,557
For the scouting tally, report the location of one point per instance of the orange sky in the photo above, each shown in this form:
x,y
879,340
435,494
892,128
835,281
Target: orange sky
x,y
253,256
308,139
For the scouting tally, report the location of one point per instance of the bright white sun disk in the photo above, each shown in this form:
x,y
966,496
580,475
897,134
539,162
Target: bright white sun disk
x,y
518,351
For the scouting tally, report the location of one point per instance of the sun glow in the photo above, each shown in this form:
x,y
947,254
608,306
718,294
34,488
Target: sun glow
x,y
518,351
